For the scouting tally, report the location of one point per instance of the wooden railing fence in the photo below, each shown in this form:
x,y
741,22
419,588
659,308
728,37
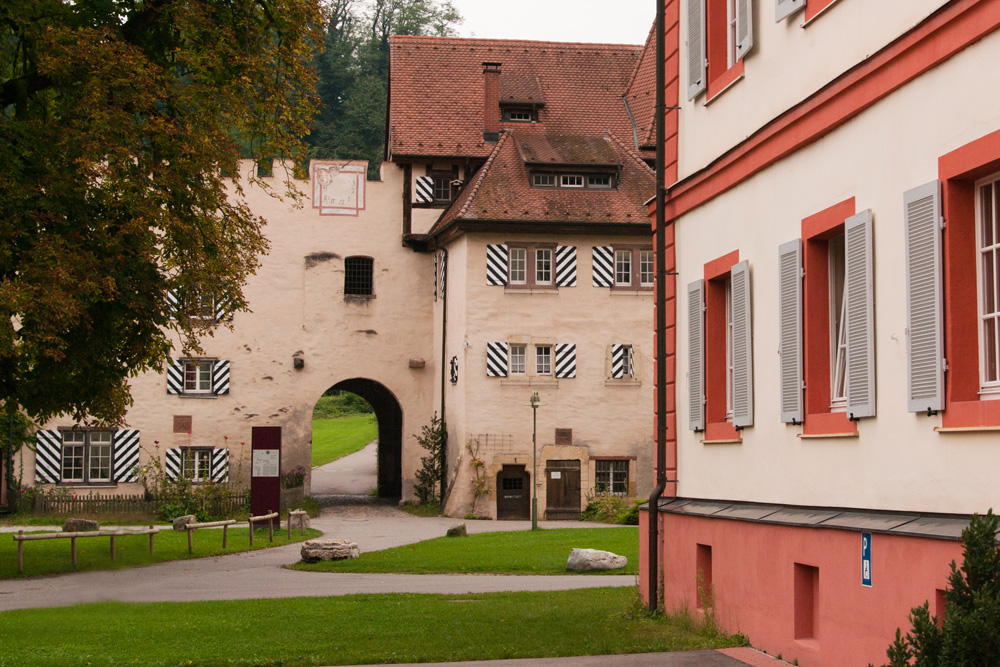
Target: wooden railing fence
x,y
126,504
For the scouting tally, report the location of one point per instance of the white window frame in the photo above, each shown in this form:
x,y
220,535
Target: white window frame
x,y
543,266
93,446
571,181
543,360
837,262
517,359
647,268
623,267
599,182
196,464
200,370
518,266
987,262
543,180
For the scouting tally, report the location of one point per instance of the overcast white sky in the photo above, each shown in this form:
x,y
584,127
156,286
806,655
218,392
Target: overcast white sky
x,y
614,22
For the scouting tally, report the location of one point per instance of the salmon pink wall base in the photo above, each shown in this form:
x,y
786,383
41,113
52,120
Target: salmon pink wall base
x,y
773,583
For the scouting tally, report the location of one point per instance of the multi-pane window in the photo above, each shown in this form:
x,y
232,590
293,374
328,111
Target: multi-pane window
x,y
196,463
602,181
543,360
574,181
518,115
988,210
838,323
611,477
442,187
518,266
358,276
623,267
571,181
543,180
646,268
86,456
518,364
543,266
197,376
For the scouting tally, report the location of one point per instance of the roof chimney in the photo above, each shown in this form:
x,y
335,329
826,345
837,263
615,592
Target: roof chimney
x,y
491,102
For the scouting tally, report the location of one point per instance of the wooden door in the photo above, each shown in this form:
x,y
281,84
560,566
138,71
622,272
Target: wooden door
x,y
513,493
562,498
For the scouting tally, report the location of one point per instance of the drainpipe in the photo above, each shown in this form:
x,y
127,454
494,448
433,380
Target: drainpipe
x,y
444,367
652,556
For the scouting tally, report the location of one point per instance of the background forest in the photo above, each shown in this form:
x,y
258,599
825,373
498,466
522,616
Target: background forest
x,y
353,72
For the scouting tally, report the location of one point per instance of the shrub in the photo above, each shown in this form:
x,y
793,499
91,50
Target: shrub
x,y
969,634
432,438
293,478
608,508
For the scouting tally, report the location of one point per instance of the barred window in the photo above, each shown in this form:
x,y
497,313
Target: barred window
x,y
611,477
358,276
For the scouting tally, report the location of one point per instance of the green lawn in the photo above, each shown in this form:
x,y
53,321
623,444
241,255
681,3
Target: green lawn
x,y
340,436
357,629
94,553
518,552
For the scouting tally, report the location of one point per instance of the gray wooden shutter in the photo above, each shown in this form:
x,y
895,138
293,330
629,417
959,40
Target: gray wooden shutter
x,y
125,445
744,28
858,293
496,264
790,330
784,8
742,346
220,465
496,360
924,299
619,360
48,457
696,355
172,464
175,377
424,192
604,266
696,56
566,266
565,360
220,377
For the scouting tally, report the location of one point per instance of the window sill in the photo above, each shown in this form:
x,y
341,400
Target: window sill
x,y
619,291
828,424
436,204
199,396
821,436
530,382
979,414
734,441
629,382
724,82
530,290
358,298
86,485
965,429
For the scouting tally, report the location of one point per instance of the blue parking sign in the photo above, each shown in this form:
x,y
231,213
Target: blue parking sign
x,y
866,559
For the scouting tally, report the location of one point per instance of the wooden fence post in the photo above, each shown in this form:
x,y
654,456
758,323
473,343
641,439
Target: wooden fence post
x,y
225,534
270,527
289,525
20,553
72,547
151,541
190,545
112,548
251,532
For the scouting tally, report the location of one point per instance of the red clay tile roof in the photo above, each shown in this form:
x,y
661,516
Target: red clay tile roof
x,y
501,191
641,93
436,90
556,149
518,89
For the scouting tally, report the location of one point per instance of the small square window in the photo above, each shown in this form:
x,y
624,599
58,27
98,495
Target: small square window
x,y
543,180
543,360
358,276
611,477
517,360
197,376
442,187
571,181
196,463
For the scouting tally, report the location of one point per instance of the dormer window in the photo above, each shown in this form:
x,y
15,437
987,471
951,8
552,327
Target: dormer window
x,y
520,115
599,181
570,181
543,180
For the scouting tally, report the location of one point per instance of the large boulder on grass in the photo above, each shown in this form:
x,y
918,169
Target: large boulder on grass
x,y
317,550
590,560
80,525
180,522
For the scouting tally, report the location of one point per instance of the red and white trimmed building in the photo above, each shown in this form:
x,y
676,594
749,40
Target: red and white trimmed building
x,y
832,338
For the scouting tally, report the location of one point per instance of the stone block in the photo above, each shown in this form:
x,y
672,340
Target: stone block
x,y
589,560
317,550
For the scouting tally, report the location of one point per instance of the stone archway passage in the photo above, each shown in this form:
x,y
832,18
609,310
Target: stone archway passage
x,y
390,432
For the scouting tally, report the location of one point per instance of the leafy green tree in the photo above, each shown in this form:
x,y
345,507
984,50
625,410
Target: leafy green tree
x,y
969,634
119,120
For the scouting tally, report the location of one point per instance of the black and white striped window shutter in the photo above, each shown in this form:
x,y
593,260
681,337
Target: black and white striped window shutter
x,y
48,456
443,279
125,445
173,304
565,360
496,264
566,266
175,377
220,465
220,377
621,361
496,360
436,276
222,310
604,266
424,192
172,464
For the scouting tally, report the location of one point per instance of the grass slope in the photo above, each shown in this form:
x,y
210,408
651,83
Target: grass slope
x,y
340,436
518,552
357,629
94,553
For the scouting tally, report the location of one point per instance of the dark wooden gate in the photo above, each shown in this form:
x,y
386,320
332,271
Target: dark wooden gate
x,y
513,493
562,497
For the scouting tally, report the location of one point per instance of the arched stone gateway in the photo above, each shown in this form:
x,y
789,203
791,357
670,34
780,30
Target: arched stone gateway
x,y
390,432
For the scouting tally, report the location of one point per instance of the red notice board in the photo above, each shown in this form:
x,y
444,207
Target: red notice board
x,y
265,470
